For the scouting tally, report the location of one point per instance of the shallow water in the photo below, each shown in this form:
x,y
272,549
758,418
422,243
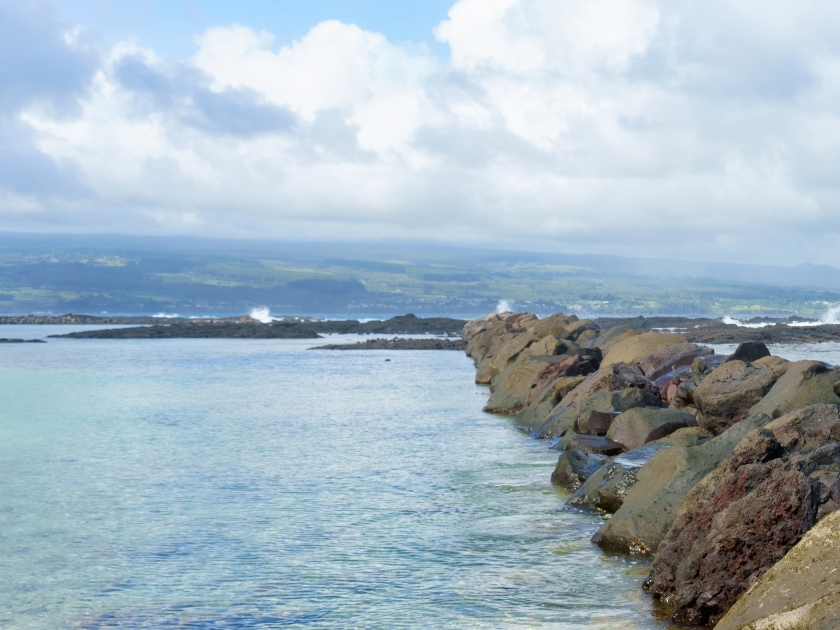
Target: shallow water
x,y
255,484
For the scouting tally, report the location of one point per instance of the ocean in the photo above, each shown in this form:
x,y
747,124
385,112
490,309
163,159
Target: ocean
x,y
258,484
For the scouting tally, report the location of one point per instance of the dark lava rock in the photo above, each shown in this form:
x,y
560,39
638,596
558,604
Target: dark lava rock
x,y
597,444
4,340
289,328
225,330
398,344
749,351
575,467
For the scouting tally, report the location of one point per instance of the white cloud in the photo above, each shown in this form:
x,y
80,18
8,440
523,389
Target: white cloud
x,y
687,128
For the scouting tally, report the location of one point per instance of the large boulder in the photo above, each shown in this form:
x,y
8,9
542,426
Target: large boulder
x,y
610,378
565,417
651,504
558,367
733,526
509,390
636,427
692,436
483,334
487,337
726,395
575,467
671,359
537,408
632,346
505,356
606,336
744,516
804,383
807,428
594,422
606,489
800,592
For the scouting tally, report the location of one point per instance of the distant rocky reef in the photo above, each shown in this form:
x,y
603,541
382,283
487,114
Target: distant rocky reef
x,y
724,469
248,328
399,343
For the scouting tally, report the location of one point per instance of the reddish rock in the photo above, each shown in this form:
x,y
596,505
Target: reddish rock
x,y
668,383
746,514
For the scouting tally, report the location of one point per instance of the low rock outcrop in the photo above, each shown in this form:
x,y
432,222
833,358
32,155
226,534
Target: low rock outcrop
x,y
800,592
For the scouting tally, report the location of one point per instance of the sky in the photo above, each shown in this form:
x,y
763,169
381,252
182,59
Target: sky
x,y
705,130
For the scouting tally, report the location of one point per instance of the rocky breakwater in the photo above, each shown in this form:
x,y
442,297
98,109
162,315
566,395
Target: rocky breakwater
x,y
715,466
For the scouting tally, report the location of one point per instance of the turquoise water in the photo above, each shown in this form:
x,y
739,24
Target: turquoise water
x,y
256,484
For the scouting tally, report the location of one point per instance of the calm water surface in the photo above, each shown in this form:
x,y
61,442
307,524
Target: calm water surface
x,y
256,484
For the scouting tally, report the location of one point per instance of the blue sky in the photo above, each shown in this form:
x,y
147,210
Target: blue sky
x,y
169,26
706,129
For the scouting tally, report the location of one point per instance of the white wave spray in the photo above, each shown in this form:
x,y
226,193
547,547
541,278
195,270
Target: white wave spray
x,y
831,316
262,314
504,307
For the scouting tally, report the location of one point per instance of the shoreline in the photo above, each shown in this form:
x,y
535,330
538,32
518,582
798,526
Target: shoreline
x,y
716,467
695,330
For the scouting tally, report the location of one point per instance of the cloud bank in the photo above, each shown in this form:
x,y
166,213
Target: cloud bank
x,y
678,128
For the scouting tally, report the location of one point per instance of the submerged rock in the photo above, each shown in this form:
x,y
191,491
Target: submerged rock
x,y
607,488
575,467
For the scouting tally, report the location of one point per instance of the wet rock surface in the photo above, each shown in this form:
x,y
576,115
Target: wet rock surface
x,y
575,467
